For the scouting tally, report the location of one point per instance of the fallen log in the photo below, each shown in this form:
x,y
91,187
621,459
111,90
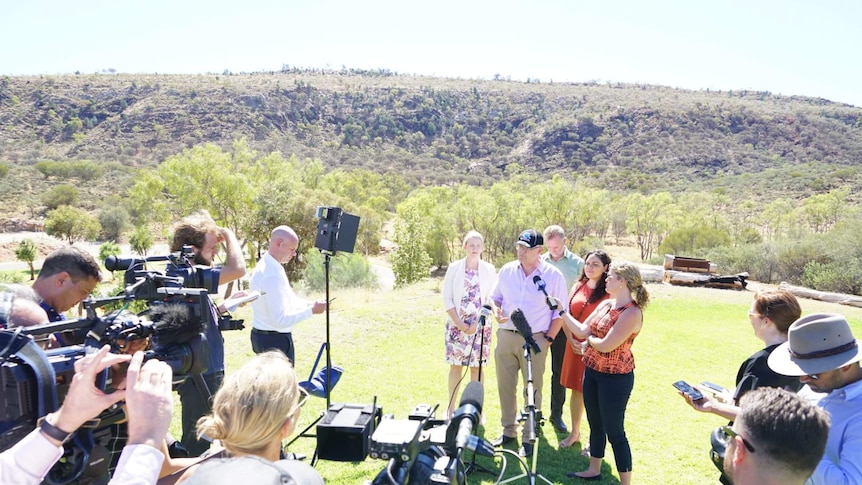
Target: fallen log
x,y
841,298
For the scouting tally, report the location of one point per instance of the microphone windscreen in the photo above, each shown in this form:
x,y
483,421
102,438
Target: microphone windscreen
x,y
473,394
176,323
539,282
520,322
486,310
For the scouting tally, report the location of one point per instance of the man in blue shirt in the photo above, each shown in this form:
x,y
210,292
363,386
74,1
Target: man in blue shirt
x,y
821,350
67,277
201,233
572,266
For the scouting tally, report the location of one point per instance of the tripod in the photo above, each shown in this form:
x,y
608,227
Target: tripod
x,y
473,466
529,414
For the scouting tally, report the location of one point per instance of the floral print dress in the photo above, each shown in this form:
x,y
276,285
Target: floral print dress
x,y
461,348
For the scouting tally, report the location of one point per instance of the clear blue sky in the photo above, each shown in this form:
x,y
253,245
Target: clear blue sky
x,y
805,47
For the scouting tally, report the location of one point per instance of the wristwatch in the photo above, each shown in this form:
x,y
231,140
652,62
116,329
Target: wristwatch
x,y
562,312
54,432
547,337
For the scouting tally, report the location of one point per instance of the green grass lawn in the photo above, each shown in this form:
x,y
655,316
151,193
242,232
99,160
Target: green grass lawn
x,y
391,347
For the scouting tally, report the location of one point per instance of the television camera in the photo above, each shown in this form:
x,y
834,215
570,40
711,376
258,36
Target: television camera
x,y
33,381
422,450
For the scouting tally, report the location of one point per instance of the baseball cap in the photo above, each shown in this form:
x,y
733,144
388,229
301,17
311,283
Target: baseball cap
x,y
530,239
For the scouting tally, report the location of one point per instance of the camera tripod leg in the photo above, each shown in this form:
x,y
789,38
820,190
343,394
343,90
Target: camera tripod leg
x,y
305,434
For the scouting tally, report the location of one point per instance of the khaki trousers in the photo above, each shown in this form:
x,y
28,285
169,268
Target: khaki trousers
x,y
510,361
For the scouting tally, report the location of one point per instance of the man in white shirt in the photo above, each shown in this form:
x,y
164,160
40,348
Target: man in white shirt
x,y
149,403
278,309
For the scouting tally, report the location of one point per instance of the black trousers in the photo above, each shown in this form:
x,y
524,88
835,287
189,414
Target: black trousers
x,y
558,391
262,341
194,405
605,399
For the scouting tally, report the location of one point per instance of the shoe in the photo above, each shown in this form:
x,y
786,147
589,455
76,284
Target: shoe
x,y
594,478
526,450
503,441
567,442
559,425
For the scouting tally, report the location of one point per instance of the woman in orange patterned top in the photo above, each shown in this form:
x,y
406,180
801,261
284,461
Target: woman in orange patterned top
x,y
609,377
587,293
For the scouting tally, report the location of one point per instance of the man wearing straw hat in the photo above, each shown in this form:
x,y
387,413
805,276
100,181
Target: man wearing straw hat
x,y
822,351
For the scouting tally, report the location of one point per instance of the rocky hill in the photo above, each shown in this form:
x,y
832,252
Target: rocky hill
x,y
432,130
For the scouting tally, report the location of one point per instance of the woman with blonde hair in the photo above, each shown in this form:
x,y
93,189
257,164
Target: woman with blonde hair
x,y
256,408
609,376
466,287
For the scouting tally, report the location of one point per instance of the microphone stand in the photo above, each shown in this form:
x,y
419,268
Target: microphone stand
x,y
473,466
529,414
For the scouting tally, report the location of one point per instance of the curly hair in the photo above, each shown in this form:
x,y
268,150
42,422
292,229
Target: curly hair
x,y
631,274
192,230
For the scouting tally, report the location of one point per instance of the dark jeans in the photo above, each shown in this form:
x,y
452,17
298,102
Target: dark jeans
x,y
194,406
558,391
262,341
605,399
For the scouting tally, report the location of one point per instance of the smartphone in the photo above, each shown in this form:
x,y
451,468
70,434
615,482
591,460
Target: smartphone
x,y
685,387
715,387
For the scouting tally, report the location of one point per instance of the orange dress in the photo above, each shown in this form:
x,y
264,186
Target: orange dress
x,y
572,373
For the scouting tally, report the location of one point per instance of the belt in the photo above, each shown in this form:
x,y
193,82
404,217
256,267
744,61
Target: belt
x,y
269,332
510,330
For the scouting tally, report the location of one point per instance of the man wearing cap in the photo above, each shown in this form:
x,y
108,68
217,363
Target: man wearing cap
x,y
822,351
571,265
517,288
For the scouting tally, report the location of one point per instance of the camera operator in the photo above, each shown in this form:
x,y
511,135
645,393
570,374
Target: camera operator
x,y
201,233
67,277
777,438
19,307
149,402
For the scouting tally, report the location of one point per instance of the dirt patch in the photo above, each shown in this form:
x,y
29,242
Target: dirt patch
x,y
45,244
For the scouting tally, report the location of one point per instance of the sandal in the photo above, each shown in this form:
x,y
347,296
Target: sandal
x,y
567,442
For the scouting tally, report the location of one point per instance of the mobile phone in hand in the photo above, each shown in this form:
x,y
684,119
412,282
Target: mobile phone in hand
x,y
685,387
713,386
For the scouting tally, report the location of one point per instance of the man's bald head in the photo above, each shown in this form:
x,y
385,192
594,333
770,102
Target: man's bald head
x,y
283,242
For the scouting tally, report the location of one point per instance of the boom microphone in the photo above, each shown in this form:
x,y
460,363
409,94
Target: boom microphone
x,y
175,323
524,329
540,285
466,417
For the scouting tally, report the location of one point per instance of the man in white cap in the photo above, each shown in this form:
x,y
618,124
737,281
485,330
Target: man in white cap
x,y
822,351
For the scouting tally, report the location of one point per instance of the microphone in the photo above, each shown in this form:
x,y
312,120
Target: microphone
x,y
524,329
540,285
174,323
480,446
466,417
483,314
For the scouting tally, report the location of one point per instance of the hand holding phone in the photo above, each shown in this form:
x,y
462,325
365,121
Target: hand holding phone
x,y
686,388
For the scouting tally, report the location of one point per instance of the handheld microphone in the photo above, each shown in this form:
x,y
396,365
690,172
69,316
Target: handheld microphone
x,y
483,314
466,417
524,329
540,285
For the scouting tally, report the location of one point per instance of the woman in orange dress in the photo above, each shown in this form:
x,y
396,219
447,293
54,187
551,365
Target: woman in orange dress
x,y
586,295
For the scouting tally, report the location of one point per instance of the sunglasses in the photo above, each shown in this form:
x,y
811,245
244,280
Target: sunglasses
x,y
303,396
728,433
